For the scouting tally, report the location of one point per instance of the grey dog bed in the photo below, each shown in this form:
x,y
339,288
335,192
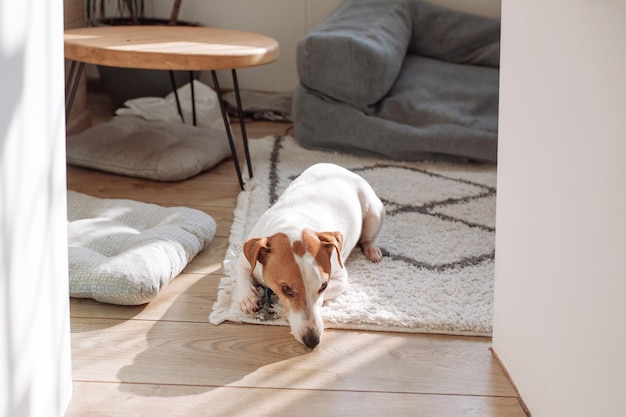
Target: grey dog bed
x,y
403,79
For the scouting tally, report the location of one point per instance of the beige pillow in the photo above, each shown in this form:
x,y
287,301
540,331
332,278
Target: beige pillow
x,y
159,151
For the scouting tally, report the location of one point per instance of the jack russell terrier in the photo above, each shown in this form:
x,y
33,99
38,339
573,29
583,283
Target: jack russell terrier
x,y
298,247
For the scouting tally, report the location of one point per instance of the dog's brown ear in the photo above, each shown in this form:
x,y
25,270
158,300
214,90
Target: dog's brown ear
x,y
332,241
256,249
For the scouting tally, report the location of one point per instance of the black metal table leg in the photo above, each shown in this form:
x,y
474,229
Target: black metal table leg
x,y
175,90
71,86
233,148
70,76
242,123
193,98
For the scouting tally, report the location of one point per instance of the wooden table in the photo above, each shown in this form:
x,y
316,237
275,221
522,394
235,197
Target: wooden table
x,y
171,48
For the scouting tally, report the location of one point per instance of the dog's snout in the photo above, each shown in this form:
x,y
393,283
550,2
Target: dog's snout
x,y
311,339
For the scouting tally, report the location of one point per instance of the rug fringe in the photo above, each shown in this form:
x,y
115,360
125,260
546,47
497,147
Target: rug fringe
x,y
228,285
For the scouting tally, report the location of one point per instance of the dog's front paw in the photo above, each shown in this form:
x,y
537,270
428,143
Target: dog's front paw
x,y
373,253
248,300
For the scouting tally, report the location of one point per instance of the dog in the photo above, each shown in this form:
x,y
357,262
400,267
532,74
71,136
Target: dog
x,y
299,246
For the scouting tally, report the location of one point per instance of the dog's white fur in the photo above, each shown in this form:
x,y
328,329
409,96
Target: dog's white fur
x,y
298,247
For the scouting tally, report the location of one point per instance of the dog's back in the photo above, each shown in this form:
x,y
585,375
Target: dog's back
x,y
323,197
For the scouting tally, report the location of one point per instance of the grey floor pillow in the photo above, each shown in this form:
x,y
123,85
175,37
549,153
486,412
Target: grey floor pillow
x,y
161,151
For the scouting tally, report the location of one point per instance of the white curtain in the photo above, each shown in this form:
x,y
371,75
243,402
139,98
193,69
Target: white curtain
x,y
35,372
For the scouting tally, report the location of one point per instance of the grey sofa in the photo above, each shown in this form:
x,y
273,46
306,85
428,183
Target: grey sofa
x,y
402,79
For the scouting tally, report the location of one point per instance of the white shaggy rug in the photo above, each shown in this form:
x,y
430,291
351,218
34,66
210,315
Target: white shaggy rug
x,y
438,243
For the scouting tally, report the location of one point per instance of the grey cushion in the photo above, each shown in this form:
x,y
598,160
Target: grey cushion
x,y
356,53
454,36
454,95
159,151
336,126
126,252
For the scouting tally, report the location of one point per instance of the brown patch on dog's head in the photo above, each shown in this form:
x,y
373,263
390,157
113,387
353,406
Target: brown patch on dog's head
x,y
281,273
298,248
321,246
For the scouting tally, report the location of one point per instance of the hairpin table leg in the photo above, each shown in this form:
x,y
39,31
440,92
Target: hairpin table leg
x,y
193,98
242,123
233,148
71,86
175,90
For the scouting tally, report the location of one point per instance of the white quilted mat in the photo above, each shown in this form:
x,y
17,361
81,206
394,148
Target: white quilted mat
x,y
126,252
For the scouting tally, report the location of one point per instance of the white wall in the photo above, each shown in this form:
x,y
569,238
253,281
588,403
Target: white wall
x,y
561,225
287,21
35,373
283,20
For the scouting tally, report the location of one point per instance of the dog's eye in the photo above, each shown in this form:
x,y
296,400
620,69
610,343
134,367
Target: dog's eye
x,y
287,291
323,287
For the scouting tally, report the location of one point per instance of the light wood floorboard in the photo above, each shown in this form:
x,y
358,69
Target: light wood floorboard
x,y
165,359
132,400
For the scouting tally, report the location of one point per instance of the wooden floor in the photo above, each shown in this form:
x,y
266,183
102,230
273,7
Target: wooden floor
x,y
165,359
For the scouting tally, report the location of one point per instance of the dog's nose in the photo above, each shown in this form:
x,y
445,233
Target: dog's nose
x,y
311,339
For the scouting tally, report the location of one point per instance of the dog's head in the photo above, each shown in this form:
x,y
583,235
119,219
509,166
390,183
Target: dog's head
x,y
298,271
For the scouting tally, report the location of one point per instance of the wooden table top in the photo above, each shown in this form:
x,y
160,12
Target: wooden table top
x,y
169,47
